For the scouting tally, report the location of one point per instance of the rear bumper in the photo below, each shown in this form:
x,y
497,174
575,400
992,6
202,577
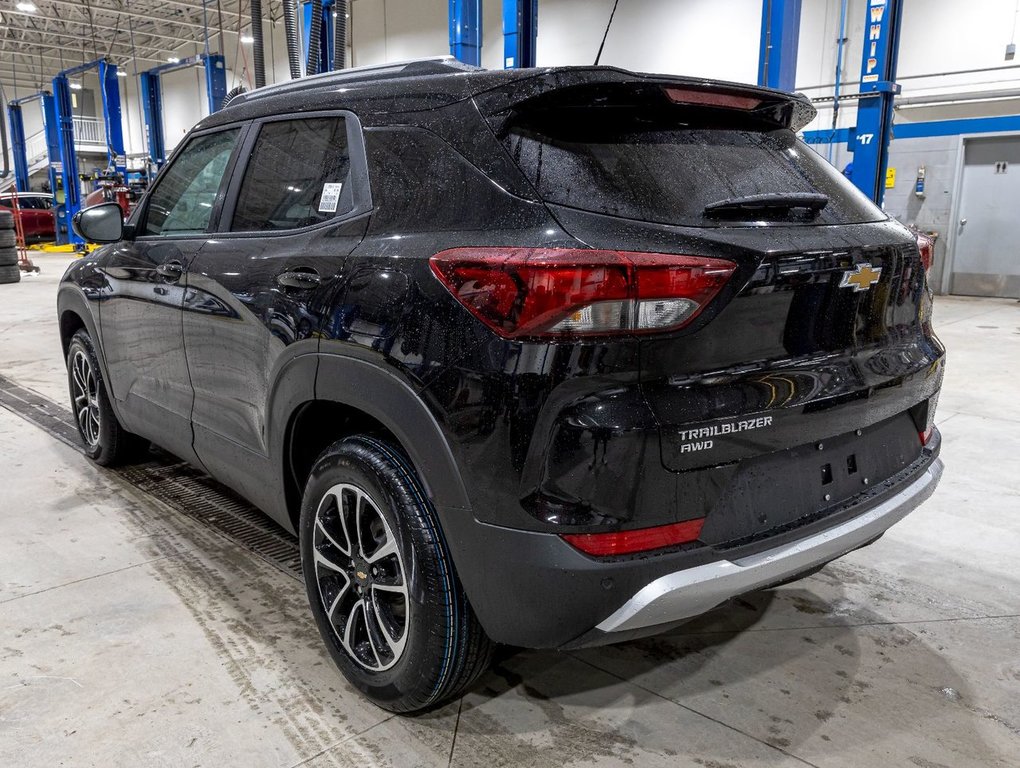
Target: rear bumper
x,y
693,591
534,590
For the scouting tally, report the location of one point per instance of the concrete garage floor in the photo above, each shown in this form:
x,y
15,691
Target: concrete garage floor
x,y
131,635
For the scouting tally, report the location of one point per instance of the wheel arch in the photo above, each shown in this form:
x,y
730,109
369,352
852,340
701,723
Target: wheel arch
x,y
73,314
353,396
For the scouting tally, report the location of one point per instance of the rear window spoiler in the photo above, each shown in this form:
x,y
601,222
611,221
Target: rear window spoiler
x,y
574,87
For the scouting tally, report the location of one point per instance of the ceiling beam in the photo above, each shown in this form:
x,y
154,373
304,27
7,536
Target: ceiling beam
x,y
194,9
173,20
106,44
147,31
69,60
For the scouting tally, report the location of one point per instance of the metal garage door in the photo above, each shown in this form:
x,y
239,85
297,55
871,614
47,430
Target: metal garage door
x,y
987,254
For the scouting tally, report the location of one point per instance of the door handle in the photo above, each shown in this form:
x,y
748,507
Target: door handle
x,y
302,279
170,270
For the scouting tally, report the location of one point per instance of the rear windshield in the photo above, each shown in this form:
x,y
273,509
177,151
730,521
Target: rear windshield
x,y
663,170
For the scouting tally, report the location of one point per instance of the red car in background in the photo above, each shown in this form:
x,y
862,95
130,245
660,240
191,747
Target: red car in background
x,y
118,194
110,188
35,209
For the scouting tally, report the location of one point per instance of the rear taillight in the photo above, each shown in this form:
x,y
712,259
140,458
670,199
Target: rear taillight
x,y
567,292
640,540
926,247
926,435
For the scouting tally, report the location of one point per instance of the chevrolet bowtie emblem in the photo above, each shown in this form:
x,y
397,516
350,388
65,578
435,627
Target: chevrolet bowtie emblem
x,y
861,277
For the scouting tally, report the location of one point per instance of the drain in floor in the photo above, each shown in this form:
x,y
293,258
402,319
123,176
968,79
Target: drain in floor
x,y
171,481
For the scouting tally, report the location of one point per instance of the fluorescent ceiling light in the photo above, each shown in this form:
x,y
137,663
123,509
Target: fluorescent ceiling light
x,y
121,73
27,7
75,86
247,39
173,59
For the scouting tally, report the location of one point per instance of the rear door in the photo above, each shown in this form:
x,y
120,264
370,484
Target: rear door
x,y
258,293
807,369
140,314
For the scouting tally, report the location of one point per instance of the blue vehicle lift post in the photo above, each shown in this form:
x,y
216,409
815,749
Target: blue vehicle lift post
x,y
326,35
17,125
780,39
18,138
466,31
152,96
68,168
878,88
520,33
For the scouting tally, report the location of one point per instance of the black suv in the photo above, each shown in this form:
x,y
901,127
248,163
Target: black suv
x,y
549,358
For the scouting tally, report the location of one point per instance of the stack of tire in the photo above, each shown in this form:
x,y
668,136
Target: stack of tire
x,y
9,271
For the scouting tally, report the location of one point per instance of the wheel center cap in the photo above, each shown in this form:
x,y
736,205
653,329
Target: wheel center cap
x,y
362,572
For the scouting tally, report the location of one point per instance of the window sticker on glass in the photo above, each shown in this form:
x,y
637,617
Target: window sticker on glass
x,y
330,197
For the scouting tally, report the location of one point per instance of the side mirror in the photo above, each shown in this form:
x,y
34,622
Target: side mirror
x,y
103,223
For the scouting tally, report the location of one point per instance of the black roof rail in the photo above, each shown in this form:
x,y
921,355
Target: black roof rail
x,y
435,65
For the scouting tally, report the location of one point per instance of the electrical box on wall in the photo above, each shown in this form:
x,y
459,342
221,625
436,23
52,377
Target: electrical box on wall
x,y
919,182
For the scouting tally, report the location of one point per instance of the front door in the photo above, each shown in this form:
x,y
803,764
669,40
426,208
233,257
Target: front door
x,y
257,293
140,314
986,261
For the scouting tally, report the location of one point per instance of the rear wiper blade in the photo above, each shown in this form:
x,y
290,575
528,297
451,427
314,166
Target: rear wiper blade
x,y
812,202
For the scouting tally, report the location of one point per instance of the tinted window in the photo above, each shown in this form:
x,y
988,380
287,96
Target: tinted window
x,y
661,171
297,176
183,200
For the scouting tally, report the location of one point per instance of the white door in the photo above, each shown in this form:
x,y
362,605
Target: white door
x,y
987,255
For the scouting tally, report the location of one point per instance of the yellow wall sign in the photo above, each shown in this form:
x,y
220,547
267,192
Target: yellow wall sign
x,y
890,178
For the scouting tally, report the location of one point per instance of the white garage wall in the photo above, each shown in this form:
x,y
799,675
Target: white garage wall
x,y
395,30
710,38
492,34
937,36
131,118
651,35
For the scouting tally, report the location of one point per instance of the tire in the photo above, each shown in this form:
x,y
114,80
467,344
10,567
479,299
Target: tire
x,y
10,274
8,256
433,648
106,442
8,238
6,220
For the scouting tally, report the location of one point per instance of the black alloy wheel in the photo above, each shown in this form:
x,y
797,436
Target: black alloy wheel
x,y
361,577
380,580
105,441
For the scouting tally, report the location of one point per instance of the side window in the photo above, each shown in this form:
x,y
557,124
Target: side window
x,y
297,176
182,202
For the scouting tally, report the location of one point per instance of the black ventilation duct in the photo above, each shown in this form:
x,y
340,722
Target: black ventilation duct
x,y
258,53
340,35
314,38
290,29
232,94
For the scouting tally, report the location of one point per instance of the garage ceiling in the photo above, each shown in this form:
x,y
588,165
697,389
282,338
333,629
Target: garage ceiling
x,y
135,34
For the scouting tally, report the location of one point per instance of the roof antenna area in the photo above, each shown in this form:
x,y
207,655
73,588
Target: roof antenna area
x,y
598,56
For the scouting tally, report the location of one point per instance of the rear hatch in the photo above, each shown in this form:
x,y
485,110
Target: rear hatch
x,y
811,371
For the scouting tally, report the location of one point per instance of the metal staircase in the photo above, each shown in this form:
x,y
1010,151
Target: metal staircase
x,y
89,137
